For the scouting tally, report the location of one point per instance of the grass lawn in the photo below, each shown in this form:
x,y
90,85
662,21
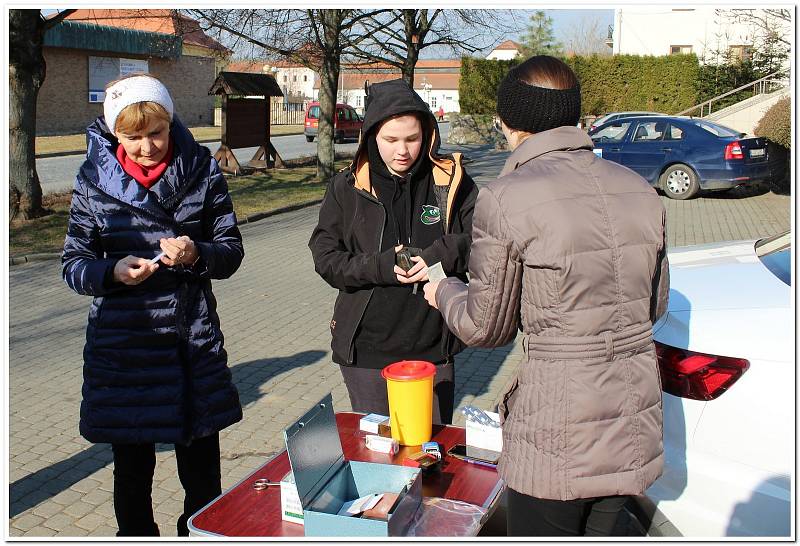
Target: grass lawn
x,y
77,143
261,192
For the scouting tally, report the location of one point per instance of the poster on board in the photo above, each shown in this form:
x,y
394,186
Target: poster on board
x,y
103,70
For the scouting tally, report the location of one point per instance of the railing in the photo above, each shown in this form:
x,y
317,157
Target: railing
x,y
767,84
287,113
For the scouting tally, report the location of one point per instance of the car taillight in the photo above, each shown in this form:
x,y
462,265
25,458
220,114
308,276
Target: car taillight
x,y
696,375
733,151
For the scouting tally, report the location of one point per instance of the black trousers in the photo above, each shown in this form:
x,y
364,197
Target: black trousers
x,y
532,517
134,466
368,394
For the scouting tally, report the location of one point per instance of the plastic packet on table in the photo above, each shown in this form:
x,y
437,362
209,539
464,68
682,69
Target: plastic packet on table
x,y
446,518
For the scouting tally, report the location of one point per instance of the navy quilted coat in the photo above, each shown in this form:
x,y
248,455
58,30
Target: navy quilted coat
x,y
155,369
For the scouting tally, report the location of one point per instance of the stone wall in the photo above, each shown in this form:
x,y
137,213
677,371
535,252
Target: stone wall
x,y
63,105
474,129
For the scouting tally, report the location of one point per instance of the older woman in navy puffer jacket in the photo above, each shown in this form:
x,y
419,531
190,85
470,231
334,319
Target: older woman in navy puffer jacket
x,y
155,369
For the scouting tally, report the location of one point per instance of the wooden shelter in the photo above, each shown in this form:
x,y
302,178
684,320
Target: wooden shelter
x,y
245,119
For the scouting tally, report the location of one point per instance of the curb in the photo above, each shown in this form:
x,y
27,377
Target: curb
x,y
83,152
39,257
290,208
43,256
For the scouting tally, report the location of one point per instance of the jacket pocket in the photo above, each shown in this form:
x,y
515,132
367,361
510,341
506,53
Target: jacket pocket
x,y
509,398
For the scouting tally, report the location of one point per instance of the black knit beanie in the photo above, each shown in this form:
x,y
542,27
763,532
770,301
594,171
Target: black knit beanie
x,y
535,109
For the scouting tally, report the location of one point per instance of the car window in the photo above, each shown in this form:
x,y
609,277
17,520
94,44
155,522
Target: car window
x,y
649,130
674,133
714,129
353,115
313,112
340,113
612,133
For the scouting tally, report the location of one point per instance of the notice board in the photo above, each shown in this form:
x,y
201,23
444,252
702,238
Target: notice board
x,y
103,70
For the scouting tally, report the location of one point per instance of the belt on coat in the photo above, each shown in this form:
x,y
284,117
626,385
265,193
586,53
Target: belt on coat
x,y
605,345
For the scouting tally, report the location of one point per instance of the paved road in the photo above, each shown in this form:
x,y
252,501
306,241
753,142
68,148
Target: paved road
x,y
58,173
275,314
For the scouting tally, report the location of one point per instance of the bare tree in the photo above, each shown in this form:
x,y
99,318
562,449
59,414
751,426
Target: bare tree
x,y
315,38
587,37
777,22
398,38
26,73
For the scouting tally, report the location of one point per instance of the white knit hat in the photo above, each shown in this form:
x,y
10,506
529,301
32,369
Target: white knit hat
x,y
132,90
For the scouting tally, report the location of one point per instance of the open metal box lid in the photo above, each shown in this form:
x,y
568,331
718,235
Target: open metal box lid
x,y
314,449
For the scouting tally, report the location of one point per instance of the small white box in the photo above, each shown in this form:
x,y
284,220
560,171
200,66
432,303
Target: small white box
x,y
369,423
291,509
485,436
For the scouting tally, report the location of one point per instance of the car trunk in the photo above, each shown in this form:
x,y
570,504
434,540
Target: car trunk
x,y
754,150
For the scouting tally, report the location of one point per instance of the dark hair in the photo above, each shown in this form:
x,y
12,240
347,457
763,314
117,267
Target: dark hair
x,y
548,72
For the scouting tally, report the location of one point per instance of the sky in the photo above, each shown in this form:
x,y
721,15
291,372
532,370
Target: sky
x,y
563,19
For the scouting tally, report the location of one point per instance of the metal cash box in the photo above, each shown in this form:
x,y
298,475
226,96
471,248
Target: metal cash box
x,y
325,481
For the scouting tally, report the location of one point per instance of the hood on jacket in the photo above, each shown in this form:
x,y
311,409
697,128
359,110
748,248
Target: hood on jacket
x,y
390,98
101,168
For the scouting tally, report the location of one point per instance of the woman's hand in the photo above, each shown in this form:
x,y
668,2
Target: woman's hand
x,y
132,270
181,250
430,293
418,273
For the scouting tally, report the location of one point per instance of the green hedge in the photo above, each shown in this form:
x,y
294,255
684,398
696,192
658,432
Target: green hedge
x,y
776,124
477,88
608,84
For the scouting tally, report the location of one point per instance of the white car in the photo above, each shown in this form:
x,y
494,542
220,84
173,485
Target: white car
x,y
726,353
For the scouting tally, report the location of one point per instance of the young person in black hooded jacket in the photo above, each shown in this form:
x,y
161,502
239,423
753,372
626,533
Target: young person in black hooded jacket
x,y
398,192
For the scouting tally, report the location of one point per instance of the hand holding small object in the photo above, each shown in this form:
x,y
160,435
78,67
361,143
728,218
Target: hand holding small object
x,y
132,270
417,273
180,250
430,293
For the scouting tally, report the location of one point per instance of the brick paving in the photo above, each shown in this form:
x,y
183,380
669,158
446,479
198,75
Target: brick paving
x,y
274,314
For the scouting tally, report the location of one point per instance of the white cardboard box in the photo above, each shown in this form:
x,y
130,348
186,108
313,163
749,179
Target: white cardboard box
x,y
291,509
485,436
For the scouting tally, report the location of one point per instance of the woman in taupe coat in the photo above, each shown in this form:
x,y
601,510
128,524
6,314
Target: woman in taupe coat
x,y
570,249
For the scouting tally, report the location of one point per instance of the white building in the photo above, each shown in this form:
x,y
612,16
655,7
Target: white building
x,y
505,51
295,80
436,81
704,31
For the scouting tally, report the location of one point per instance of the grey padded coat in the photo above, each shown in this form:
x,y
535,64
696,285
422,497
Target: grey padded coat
x,y
571,249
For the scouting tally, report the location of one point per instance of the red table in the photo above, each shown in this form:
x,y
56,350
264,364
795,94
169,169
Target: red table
x,y
245,512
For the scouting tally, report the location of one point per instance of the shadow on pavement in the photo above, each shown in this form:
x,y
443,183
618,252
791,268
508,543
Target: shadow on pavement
x,y
490,362
741,192
43,484
249,376
39,486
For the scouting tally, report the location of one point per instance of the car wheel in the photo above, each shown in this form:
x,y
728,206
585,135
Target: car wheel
x,y
309,139
679,181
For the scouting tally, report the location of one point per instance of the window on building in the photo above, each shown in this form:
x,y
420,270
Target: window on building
x,y
305,77
433,102
358,100
285,78
676,49
740,53
294,78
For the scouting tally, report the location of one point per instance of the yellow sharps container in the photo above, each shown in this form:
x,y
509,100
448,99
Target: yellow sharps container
x,y
409,384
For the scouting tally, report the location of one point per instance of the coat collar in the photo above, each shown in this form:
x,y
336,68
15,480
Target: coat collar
x,y
560,138
102,169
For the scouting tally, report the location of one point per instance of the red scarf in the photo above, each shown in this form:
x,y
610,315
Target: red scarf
x,y
146,176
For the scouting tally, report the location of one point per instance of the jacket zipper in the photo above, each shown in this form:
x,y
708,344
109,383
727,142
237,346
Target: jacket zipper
x,y
371,291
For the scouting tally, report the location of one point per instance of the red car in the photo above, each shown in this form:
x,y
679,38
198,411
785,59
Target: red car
x,y
346,123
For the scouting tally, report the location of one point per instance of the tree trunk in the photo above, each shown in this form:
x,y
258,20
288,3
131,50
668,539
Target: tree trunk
x,y
328,84
26,74
413,38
